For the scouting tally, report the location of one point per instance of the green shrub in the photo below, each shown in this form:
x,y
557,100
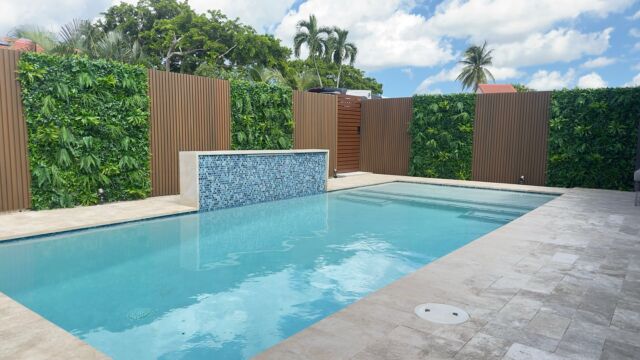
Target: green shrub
x,y
261,116
442,136
592,138
88,128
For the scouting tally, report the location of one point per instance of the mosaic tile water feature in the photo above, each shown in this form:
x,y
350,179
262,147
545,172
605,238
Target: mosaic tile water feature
x,y
236,180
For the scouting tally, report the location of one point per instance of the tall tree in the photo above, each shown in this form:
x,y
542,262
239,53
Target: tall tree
x,y
475,72
341,50
174,36
308,33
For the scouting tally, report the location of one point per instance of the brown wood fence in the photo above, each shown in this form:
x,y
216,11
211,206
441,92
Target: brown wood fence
x,y
510,137
187,113
385,136
349,114
315,118
15,178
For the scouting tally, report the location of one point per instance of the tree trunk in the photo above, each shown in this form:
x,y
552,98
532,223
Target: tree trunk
x,y
339,74
317,71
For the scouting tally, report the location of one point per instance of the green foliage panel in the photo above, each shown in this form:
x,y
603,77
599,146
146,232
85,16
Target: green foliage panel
x,y
88,128
592,138
442,136
261,116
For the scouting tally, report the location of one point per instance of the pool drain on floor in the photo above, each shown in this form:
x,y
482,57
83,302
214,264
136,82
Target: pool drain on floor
x,y
441,313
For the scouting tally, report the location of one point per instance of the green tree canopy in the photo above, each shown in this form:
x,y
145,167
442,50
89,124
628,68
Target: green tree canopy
x,y
178,39
351,78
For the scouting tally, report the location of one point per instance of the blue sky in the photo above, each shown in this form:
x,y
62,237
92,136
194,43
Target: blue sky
x,y
412,46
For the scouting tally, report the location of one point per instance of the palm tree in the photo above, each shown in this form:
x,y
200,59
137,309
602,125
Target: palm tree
x,y
314,37
40,37
81,37
78,37
474,72
342,50
266,75
114,45
303,80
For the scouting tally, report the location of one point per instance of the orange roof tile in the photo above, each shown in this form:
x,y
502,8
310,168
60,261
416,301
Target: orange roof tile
x,y
496,88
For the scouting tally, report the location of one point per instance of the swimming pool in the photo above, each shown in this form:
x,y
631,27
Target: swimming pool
x,y
231,283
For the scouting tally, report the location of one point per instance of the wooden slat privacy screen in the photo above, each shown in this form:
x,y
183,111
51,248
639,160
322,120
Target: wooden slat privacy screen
x,y
187,113
349,113
15,178
315,118
385,140
510,137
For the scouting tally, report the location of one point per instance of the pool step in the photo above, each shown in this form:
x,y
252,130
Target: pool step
x,y
383,199
462,201
487,216
364,200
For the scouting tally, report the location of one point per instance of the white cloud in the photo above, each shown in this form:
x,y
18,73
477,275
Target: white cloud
x,y
387,33
262,15
444,75
448,75
591,81
598,62
47,14
634,32
634,82
550,80
511,20
408,72
504,73
636,16
556,45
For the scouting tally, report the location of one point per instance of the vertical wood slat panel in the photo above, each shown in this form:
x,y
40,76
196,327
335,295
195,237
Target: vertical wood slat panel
x,y
316,123
510,137
15,177
385,140
187,113
349,118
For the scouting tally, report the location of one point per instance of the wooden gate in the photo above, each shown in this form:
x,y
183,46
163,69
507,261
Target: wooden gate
x,y
510,137
348,133
385,140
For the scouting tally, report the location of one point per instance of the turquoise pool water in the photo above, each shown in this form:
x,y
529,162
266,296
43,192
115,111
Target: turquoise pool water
x,y
228,284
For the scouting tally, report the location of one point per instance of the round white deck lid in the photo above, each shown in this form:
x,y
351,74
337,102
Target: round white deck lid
x,y
441,313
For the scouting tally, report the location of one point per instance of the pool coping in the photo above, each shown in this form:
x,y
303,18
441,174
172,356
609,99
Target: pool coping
x,y
17,335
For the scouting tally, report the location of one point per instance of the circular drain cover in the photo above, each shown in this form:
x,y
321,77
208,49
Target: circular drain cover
x,y
441,313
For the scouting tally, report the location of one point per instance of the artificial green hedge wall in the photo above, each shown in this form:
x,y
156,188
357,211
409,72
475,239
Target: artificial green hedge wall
x,y
593,137
88,128
261,116
442,136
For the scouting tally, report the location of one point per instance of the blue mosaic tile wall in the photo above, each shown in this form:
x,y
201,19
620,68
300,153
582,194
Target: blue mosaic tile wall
x,y
235,180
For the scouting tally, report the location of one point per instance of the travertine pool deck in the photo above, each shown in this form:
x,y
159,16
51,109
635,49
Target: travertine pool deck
x,y
33,223
563,281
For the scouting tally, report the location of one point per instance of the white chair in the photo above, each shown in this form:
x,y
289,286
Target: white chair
x,y
636,179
